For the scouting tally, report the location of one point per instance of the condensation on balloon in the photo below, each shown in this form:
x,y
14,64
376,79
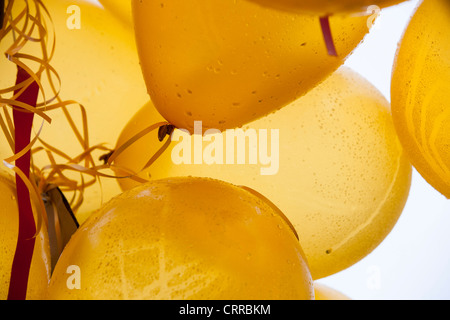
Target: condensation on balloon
x,y
342,178
421,93
149,243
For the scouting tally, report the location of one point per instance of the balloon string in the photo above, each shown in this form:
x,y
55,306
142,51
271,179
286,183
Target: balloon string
x,y
5,126
327,35
25,245
164,129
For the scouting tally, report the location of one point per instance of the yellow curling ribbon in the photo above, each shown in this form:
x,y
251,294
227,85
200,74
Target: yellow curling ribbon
x,y
28,23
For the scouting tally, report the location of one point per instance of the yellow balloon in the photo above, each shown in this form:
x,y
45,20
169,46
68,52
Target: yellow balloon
x,y
230,62
331,161
421,93
96,58
325,293
120,8
9,227
327,6
184,238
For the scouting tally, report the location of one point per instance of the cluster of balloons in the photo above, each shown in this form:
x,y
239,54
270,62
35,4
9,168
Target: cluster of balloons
x,y
281,168
345,204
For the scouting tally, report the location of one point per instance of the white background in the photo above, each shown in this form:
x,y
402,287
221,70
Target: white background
x,y
414,261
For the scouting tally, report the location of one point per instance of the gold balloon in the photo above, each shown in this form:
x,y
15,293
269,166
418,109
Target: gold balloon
x,y
421,93
96,59
121,9
229,62
39,276
331,161
182,239
323,292
327,6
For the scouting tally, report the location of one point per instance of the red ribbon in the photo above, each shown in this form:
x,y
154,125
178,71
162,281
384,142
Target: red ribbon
x,y
328,37
23,122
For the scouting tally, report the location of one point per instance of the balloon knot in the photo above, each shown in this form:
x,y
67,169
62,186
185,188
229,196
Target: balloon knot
x,y
165,130
105,157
